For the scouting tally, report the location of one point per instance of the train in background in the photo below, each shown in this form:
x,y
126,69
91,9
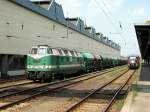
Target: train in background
x,y
47,63
133,62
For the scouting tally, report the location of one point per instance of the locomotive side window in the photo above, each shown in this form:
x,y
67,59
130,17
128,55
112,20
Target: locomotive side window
x,y
76,53
69,52
49,51
55,51
66,52
60,52
33,51
72,53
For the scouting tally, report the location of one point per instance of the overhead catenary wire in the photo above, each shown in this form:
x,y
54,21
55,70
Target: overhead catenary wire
x,y
124,32
111,17
100,8
114,18
128,22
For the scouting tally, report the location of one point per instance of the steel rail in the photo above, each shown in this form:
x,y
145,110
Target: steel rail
x,y
57,82
117,93
13,78
93,92
14,85
46,90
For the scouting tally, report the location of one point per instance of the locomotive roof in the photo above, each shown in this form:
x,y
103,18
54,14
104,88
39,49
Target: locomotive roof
x,y
67,49
54,47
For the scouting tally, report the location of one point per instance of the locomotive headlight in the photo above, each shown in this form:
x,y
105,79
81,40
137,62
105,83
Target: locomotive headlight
x,y
28,66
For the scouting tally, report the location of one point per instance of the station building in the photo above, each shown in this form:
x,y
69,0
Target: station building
x,y
25,23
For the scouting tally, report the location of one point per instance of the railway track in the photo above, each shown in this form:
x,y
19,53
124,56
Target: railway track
x,y
106,106
20,81
10,99
117,93
13,78
7,86
26,82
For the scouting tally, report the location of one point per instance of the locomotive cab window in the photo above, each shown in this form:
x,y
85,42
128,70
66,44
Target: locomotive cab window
x,y
132,58
33,51
42,51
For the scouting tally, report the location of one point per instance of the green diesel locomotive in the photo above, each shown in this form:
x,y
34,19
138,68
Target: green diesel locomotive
x,y
44,62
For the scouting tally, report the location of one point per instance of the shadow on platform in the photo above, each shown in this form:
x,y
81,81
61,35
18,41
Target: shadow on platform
x,y
145,73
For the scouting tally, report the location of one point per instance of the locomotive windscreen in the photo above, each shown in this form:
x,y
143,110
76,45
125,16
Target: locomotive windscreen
x,y
42,51
39,51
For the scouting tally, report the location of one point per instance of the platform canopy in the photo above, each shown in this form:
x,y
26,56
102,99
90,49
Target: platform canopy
x,y
143,37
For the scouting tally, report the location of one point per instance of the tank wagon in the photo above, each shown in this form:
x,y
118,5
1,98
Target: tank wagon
x,y
45,63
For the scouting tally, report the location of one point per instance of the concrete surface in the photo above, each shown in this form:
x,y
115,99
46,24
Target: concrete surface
x,y
141,101
145,73
127,103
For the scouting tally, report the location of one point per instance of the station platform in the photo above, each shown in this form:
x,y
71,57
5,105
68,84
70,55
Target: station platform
x,y
139,100
145,73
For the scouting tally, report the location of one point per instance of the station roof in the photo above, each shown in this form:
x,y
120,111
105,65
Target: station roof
x,y
143,37
41,2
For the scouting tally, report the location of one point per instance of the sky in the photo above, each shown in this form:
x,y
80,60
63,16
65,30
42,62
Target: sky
x,y
114,18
